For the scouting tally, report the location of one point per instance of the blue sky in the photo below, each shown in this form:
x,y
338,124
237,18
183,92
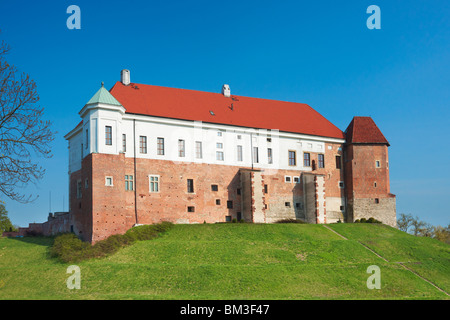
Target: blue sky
x,y
315,52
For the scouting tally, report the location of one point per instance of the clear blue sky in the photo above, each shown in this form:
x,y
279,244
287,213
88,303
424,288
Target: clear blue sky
x,y
315,52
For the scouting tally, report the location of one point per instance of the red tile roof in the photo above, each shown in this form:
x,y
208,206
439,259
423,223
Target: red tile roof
x,y
216,108
364,130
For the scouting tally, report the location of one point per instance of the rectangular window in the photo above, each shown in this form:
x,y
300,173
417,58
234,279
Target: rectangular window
x,y
239,153
338,162
219,155
129,183
341,184
79,186
214,187
321,161
190,185
154,183
142,144
160,146
266,189
218,202
230,204
198,150
108,181
296,179
191,209
287,179
287,204
124,142
108,135
306,159
292,158
255,155
377,164
87,138
269,156
181,148
86,183
219,145
377,200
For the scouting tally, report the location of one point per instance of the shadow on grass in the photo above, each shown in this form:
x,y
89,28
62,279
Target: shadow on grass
x,y
37,240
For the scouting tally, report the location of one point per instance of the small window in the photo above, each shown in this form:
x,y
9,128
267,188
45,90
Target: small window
x,y
338,162
87,138
269,156
299,205
287,179
239,153
219,155
190,185
341,184
228,218
79,187
219,133
377,200
306,159
160,146
321,160
377,164
269,139
239,137
198,149
86,183
266,188
292,158
181,148
143,144
229,204
191,209
109,181
287,204
341,208
129,183
108,135
214,187
255,155
124,142
153,183
375,184
218,202
219,145
238,191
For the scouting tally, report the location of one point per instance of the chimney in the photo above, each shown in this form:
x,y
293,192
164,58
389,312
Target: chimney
x,y
125,77
226,90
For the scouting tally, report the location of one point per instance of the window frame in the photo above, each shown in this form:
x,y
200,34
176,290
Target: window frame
x,y
307,160
108,136
143,144
160,147
154,183
290,163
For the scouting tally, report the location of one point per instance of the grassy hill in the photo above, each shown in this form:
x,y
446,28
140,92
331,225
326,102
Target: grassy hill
x,y
239,261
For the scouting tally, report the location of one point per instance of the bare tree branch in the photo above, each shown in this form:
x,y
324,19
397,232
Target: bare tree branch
x,y
23,133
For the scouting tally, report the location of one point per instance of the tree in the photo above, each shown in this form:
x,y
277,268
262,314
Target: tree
x,y
405,222
23,133
5,223
442,234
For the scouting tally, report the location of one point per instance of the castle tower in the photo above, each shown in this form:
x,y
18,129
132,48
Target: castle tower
x,y
366,165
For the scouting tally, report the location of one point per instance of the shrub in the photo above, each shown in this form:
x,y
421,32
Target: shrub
x,y
69,248
290,221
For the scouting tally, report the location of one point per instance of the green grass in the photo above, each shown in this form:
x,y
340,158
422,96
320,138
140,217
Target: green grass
x,y
236,261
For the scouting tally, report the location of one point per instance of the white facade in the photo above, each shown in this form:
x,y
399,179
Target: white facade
x,y
91,137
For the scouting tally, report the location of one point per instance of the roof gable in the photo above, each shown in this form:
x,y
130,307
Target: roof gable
x,y
364,130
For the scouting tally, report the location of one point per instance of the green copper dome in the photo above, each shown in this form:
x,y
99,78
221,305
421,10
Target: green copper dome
x,y
103,96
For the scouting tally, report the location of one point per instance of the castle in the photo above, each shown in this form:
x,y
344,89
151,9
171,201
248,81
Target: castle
x,y
143,154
